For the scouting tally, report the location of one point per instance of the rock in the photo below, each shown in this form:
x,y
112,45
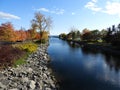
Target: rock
x,y
44,75
25,79
2,86
1,75
5,81
48,88
32,84
39,86
21,87
13,84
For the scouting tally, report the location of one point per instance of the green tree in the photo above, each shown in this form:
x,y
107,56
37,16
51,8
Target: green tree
x,y
95,35
63,36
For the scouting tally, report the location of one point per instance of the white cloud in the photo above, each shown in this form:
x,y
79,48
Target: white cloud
x,y
94,1
92,6
8,16
43,9
112,8
55,11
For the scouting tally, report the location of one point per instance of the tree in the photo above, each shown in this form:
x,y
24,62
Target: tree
x,y
119,27
78,34
109,37
41,23
21,35
62,36
103,33
113,28
7,32
31,34
85,31
74,34
95,35
86,34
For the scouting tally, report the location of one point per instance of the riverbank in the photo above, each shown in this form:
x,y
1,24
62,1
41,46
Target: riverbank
x,y
100,47
34,75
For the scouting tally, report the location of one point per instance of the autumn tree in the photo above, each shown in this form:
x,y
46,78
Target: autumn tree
x,y
7,32
21,35
31,34
86,34
41,23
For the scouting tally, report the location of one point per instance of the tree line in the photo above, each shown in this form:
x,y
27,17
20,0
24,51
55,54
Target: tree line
x,y
39,30
109,36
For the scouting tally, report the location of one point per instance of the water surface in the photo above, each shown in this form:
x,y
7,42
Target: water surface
x,y
80,69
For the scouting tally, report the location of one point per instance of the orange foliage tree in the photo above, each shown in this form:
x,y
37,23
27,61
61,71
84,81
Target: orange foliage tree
x,y
7,32
21,35
31,34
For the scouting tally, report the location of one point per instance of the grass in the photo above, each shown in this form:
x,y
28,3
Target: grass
x,y
21,60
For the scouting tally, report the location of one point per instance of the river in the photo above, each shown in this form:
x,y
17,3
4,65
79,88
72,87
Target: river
x,y
79,69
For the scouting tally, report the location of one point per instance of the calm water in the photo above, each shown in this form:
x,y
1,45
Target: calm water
x,y
78,69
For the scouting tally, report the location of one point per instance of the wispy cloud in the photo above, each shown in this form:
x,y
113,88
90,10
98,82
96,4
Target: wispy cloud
x,y
111,7
92,6
4,15
55,11
43,9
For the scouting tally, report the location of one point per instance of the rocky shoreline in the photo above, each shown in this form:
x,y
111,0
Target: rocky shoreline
x,y
34,75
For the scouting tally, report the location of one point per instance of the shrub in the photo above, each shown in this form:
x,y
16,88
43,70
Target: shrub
x,y
8,55
28,47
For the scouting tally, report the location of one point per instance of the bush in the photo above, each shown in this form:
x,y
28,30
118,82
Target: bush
x,y
8,55
28,47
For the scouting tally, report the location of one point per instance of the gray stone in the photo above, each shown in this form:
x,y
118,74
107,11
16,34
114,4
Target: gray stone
x,y
2,86
25,79
39,86
32,84
48,88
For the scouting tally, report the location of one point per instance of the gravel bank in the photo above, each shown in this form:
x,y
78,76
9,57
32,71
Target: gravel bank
x,y
34,75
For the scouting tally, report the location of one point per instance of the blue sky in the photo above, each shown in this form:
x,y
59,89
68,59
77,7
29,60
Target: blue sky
x,y
91,14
